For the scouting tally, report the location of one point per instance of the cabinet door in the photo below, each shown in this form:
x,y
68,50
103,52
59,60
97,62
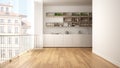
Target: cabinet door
x,y
48,41
67,40
82,40
58,40
87,41
76,40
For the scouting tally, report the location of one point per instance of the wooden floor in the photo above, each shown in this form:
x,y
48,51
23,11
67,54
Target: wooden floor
x,y
59,58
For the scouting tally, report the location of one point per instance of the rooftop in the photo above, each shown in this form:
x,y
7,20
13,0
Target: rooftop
x,y
25,24
6,5
11,14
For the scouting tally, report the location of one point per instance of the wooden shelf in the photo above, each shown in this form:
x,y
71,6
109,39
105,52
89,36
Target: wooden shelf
x,y
68,16
72,19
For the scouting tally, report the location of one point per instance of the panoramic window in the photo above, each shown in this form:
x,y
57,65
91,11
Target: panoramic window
x,y
16,27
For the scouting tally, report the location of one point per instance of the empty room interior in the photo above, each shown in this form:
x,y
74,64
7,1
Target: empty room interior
x,y
59,34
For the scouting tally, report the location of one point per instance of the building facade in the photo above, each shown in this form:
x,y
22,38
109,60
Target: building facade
x,y
11,31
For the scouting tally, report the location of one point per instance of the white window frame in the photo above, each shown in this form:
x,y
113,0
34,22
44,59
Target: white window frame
x,y
16,21
9,40
0,39
1,20
16,29
1,29
16,41
9,21
3,54
2,9
7,9
10,53
9,29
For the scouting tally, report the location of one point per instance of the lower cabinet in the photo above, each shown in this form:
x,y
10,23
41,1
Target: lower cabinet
x,y
82,40
67,40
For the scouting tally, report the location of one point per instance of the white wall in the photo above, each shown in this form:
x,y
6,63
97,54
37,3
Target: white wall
x,y
84,8
106,29
81,8
38,29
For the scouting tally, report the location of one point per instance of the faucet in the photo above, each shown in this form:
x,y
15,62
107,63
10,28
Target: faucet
x,y
66,32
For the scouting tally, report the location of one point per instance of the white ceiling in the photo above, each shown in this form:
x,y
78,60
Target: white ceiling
x,y
67,2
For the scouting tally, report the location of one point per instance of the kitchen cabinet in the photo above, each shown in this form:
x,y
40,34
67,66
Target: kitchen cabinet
x,y
67,40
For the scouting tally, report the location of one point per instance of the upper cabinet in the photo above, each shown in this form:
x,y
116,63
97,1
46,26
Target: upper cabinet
x,y
70,19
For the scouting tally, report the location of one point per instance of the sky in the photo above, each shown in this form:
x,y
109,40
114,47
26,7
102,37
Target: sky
x,y
25,7
19,6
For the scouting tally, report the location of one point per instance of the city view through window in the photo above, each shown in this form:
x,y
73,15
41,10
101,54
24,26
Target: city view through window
x,y
16,28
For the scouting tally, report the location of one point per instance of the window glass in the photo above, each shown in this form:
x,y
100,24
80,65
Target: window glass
x,y
10,53
2,53
1,20
1,29
9,21
7,9
16,21
16,40
9,40
2,9
9,29
16,29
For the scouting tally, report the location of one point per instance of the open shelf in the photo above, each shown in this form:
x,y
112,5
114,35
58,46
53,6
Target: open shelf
x,y
71,19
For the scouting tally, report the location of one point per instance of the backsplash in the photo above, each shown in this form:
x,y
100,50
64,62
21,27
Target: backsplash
x,y
70,30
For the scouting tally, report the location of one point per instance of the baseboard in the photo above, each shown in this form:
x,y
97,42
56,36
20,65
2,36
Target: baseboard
x,y
37,48
67,46
117,63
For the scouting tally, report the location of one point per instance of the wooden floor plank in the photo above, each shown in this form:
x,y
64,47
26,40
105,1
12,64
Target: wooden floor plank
x,y
59,58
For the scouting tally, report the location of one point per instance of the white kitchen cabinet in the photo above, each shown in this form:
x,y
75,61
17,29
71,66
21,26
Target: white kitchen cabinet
x,y
83,40
48,40
58,40
67,40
